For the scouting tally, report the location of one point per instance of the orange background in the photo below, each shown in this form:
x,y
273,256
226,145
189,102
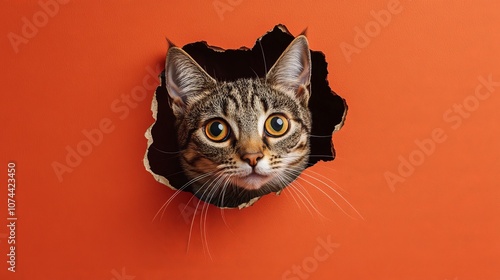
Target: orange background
x,y
439,222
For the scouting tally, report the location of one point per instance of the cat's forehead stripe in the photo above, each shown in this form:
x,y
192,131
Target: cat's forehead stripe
x,y
263,101
243,103
229,102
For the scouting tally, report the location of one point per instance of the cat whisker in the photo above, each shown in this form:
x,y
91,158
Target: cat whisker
x,y
205,208
299,195
285,178
308,198
293,197
326,178
284,182
214,75
225,182
263,58
201,215
324,166
330,198
256,75
172,174
320,136
178,191
205,204
214,188
327,156
203,227
223,190
165,152
311,155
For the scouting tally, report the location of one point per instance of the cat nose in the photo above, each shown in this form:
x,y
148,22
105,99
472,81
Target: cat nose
x,y
252,158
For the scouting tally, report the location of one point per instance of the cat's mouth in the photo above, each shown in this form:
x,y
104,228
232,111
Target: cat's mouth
x,y
252,181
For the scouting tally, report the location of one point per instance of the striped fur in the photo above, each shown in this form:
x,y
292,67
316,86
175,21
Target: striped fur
x,y
220,172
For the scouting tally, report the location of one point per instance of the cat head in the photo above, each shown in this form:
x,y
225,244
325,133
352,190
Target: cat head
x,y
245,138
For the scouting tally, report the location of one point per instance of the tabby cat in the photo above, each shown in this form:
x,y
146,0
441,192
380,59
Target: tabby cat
x,y
246,138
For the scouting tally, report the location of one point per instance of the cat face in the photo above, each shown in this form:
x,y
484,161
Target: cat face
x,y
241,139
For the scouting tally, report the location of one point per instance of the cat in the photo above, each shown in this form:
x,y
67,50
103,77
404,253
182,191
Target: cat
x,y
242,139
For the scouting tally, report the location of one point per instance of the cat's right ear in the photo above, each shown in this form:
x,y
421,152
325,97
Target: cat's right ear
x,y
185,79
292,70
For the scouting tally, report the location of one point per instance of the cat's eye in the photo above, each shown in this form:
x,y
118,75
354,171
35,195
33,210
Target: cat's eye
x,y
217,130
276,125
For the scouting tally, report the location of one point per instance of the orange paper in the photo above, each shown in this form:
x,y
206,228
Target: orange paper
x,y
412,194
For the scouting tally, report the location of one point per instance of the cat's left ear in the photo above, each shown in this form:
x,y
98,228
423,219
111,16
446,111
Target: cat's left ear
x,y
292,70
185,79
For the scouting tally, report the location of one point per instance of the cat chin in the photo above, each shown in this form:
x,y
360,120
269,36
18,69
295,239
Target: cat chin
x,y
253,181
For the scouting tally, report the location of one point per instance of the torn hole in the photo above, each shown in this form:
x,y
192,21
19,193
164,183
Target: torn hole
x,y
163,156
